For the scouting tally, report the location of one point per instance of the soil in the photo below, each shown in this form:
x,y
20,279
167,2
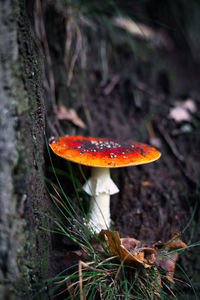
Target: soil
x,y
127,93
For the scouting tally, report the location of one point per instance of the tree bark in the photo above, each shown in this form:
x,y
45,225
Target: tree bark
x,y
22,247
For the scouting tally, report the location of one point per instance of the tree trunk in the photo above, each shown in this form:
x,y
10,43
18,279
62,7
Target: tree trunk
x,y
21,155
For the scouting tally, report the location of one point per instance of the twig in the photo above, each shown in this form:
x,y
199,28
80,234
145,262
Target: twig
x,y
111,85
176,153
104,62
80,265
170,143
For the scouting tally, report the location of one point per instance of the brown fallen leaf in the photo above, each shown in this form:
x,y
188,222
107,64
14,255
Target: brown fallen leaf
x,y
168,264
129,243
159,38
134,28
182,111
168,261
63,113
130,251
174,243
145,183
143,256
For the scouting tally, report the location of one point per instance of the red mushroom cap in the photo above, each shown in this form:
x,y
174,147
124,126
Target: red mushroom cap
x,y
102,152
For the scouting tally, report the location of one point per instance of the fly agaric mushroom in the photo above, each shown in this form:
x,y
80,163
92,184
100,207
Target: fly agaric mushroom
x,y
102,154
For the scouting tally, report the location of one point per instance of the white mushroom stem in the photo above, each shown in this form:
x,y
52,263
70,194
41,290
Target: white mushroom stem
x,y
100,186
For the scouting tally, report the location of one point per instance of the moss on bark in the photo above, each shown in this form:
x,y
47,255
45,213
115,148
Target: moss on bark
x,y
23,248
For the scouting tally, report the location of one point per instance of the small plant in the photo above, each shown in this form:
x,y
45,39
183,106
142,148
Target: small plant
x,y
107,266
127,268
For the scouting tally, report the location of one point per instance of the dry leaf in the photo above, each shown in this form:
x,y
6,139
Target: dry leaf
x,y
159,38
129,250
182,111
134,28
168,264
145,183
174,243
142,256
129,243
168,261
63,113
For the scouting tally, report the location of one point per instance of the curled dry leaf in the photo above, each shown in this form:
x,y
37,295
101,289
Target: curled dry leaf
x,y
130,251
168,264
63,113
119,247
167,261
174,243
182,111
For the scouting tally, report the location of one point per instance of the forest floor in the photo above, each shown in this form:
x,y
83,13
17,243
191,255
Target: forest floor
x,y
130,88
161,198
